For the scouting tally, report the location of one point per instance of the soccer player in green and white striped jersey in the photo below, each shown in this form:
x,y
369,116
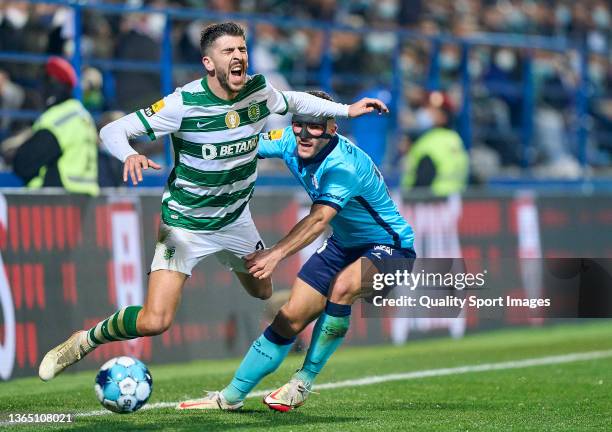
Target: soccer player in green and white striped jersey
x,y
214,123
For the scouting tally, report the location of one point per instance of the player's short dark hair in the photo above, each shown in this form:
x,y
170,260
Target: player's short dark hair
x,y
214,31
321,94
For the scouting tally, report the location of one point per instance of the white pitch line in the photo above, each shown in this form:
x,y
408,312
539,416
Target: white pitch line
x,y
376,379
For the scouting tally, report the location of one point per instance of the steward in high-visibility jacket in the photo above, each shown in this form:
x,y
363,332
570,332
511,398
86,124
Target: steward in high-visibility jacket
x,y
63,149
439,161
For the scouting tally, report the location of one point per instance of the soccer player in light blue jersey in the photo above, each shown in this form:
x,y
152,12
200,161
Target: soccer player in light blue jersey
x,y
348,194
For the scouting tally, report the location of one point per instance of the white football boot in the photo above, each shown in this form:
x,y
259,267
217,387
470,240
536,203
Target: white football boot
x,y
291,395
212,401
64,355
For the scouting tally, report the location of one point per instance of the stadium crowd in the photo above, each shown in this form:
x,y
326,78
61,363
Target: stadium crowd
x,y
293,57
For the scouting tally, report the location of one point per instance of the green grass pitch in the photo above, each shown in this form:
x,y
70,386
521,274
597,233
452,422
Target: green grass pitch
x,y
572,396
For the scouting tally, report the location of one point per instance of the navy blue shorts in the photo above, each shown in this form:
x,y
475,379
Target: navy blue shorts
x,y
323,266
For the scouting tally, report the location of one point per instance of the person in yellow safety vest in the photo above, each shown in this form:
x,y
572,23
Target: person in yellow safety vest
x,y
62,150
438,158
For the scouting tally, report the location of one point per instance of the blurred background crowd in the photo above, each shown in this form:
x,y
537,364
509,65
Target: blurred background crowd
x,y
357,64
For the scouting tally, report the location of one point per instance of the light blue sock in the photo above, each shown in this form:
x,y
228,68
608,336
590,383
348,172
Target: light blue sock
x,y
327,336
265,355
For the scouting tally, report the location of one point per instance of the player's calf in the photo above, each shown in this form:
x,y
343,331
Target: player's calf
x,y
288,323
258,288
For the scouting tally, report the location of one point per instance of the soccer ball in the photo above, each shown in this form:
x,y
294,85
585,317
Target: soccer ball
x,y
123,384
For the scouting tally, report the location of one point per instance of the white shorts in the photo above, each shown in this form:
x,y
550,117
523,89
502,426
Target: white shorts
x,y
180,250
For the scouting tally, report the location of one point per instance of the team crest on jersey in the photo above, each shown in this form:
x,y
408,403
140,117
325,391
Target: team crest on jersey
x,y
253,112
232,119
155,108
275,134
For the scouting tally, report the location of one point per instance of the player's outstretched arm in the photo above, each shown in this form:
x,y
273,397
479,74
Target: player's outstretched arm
x,y
261,264
161,118
304,103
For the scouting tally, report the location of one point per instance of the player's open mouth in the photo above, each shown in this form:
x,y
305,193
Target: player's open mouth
x,y
237,72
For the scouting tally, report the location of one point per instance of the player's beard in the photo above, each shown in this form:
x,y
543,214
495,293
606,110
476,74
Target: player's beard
x,y
223,78
224,82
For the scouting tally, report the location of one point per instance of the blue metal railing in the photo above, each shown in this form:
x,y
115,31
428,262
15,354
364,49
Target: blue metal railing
x,y
325,76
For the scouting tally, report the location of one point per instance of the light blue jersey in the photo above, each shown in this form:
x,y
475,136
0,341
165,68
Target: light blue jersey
x,y
344,177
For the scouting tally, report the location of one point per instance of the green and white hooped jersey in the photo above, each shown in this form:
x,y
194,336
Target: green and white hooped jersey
x,y
215,150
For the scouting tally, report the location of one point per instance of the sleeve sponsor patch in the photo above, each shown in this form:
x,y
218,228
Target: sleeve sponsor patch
x,y
275,134
155,108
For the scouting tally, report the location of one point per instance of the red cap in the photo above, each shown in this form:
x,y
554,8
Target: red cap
x,y
61,70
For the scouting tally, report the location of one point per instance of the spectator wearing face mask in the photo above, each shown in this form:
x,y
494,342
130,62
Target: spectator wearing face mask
x,y
503,82
438,159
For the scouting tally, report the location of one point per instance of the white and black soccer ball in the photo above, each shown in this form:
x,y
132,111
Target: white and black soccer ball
x,y
123,384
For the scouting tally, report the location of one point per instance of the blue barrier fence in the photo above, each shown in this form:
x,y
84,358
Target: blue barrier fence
x,y
165,66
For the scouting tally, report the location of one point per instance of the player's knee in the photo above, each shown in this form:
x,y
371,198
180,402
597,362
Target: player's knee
x,y
288,321
264,291
261,289
154,324
344,291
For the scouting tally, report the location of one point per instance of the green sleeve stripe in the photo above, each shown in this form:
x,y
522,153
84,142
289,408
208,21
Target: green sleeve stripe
x,y
286,104
173,218
147,126
216,178
189,199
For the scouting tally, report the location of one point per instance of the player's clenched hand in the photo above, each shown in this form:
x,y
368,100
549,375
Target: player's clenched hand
x,y
134,164
367,105
261,264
